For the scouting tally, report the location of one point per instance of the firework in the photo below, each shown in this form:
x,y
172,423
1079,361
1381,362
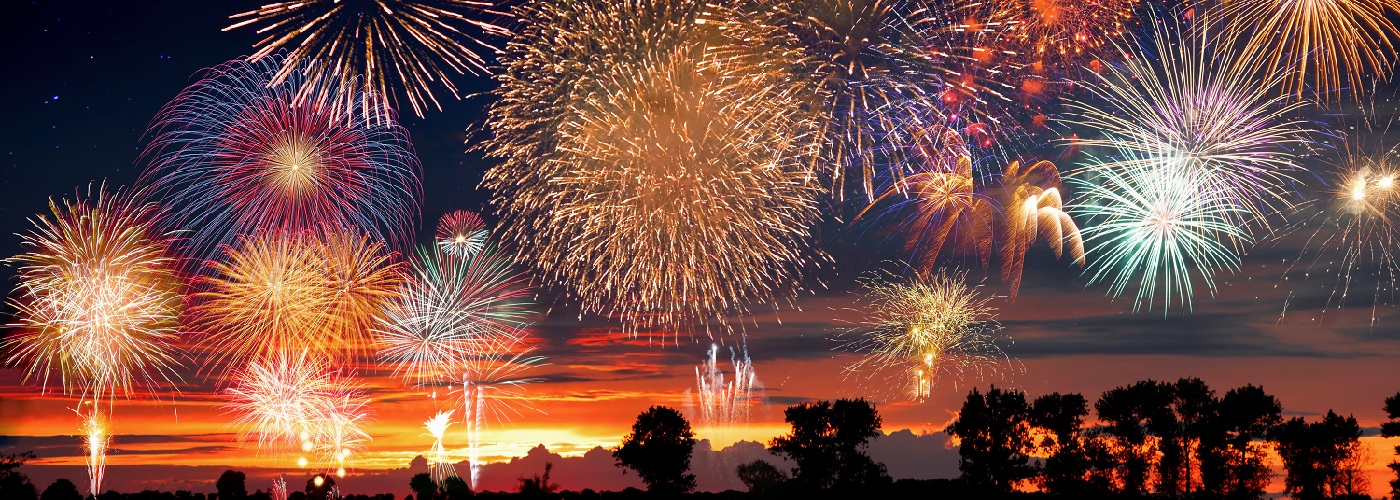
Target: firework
x,y
493,391
665,189
1157,226
279,488
414,46
440,464
95,442
856,65
1189,103
319,291
1353,226
925,330
1033,211
725,405
1327,43
235,154
447,308
297,402
461,233
98,298
1055,34
938,200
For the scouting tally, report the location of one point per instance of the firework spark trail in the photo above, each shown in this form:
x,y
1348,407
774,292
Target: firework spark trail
x,y
294,402
1335,42
938,201
1353,226
1032,211
440,463
98,299
1158,227
461,233
412,46
234,154
1183,97
925,330
493,389
647,181
857,66
96,441
448,308
725,405
279,488
319,291
1052,35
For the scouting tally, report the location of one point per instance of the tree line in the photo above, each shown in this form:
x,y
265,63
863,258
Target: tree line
x,y
1151,439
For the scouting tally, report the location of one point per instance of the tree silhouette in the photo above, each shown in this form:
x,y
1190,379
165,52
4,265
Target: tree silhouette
x,y
762,478
13,483
828,442
455,488
1392,429
423,486
1129,414
1232,449
995,443
61,489
659,450
1074,461
1319,458
317,492
538,486
231,485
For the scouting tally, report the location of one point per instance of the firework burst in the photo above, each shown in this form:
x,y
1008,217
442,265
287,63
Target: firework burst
x,y
98,299
398,48
1158,227
318,291
448,308
937,202
493,390
461,233
1191,104
295,402
659,187
1033,210
440,463
857,66
1055,34
725,405
1327,43
235,154
925,330
1353,226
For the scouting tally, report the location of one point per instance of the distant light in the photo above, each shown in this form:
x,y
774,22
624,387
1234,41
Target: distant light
x,y
319,481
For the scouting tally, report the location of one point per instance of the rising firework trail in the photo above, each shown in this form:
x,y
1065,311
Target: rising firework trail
x,y
493,390
629,153
924,331
406,49
439,462
235,154
96,441
725,405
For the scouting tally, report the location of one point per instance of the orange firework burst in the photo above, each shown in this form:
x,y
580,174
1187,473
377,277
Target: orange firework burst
x,y
98,298
938,201
415,44
315,291
1330,42
667,189
1033,210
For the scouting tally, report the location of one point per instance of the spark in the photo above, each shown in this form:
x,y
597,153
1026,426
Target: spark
x,y
493,390
235,154
406,49
925,330
1033,210
725,405
96,441
441,465
461,233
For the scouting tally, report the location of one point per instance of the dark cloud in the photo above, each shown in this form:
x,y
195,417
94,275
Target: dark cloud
x,y
1215,334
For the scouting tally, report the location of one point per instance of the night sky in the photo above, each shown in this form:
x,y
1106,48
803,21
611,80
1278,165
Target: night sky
x,y
82,81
